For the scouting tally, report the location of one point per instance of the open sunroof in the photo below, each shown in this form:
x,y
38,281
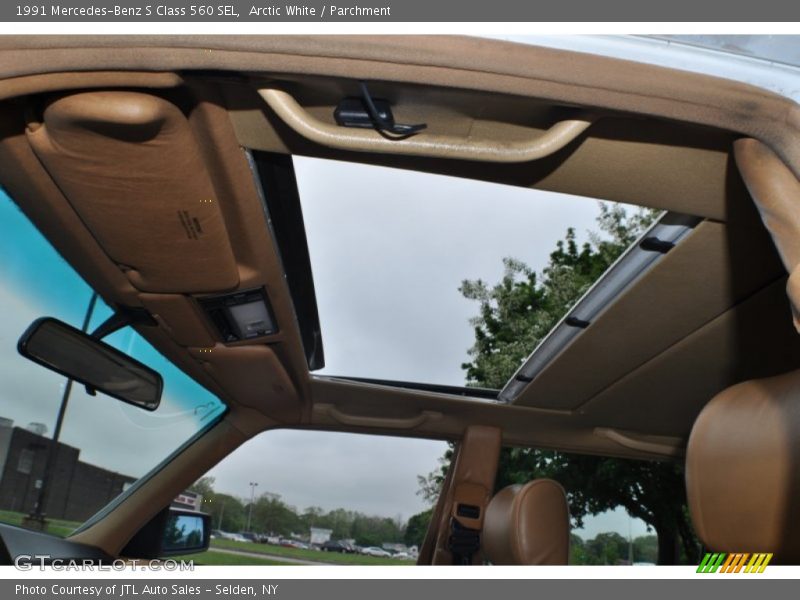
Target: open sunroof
x,y
389,250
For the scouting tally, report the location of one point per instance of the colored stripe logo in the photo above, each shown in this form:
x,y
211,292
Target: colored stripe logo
x,y
736,562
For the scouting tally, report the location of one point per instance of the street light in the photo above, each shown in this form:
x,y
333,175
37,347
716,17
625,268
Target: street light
x,y
221,512
37,518
253,486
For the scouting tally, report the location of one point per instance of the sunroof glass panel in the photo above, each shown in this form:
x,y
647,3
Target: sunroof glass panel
x,y
390,250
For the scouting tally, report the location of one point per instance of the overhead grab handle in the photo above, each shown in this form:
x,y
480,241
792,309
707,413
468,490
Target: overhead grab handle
x,y
412,422
423,143
663,445
364,112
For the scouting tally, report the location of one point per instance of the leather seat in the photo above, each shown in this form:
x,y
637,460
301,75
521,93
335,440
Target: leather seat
x,y
527,525
743,469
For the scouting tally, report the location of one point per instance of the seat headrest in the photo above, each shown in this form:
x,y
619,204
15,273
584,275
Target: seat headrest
x,y
743,469
527,525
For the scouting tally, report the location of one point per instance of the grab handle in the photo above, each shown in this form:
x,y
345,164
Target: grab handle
x,y
380,422
422,144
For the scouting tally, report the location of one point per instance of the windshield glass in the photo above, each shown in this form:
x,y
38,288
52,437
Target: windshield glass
x,y
104,445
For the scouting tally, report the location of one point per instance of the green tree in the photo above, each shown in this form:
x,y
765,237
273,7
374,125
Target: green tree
x,y
645,549
203,486
273,516
340,522
514,316
313,517
173,534
416,528
607,549
227,512
577,551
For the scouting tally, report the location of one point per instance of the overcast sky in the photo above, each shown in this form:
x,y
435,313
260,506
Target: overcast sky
x,y
389,250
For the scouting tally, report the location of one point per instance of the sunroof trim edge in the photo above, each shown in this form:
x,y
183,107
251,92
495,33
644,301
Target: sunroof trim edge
x,y
637,260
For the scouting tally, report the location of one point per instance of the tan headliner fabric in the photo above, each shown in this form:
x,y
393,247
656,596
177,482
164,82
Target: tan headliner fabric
x,y
255,376
509,68
713,269
59,82
664,395
670,166
500,67
180,318
129,165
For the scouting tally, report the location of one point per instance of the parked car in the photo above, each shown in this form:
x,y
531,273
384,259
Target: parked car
x,y
349,547
331,546
375,551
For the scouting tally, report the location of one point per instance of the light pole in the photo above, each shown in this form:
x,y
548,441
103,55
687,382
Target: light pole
x,y
630,541
221,512
253,486
37,519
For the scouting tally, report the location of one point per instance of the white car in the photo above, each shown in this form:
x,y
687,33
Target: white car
x,y
234,537
375,551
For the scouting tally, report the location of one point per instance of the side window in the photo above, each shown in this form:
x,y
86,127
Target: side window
x,y
319,497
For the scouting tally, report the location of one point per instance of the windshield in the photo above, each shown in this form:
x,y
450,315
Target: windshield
x,y
104,445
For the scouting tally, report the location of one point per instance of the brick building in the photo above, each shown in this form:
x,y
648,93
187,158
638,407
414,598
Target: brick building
x,y
77,489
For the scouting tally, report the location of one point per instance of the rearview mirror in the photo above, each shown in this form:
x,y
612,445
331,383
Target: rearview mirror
x,y
74,354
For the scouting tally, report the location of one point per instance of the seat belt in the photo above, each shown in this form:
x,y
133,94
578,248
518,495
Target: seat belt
x,y
471,484
463,543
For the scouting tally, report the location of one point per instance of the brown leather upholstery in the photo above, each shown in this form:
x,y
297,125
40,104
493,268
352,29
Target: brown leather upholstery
x,y
132,169
470,481
743,469
527,525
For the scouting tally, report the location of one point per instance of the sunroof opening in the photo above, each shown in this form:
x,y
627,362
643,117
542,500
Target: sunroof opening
x,y
400,260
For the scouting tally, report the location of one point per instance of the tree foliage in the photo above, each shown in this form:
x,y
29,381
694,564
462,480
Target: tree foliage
x,y
271,515
610,548
417,527
513,317
518,312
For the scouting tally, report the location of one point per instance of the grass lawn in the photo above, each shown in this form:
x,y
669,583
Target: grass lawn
x,y
63,528
313,555
54,526
223,558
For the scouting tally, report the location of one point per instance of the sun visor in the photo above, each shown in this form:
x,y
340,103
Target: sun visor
x,y
776,193
130,166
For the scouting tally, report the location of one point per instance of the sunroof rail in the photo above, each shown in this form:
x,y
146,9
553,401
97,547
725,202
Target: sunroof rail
x,y
277,188
450,390
664,235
